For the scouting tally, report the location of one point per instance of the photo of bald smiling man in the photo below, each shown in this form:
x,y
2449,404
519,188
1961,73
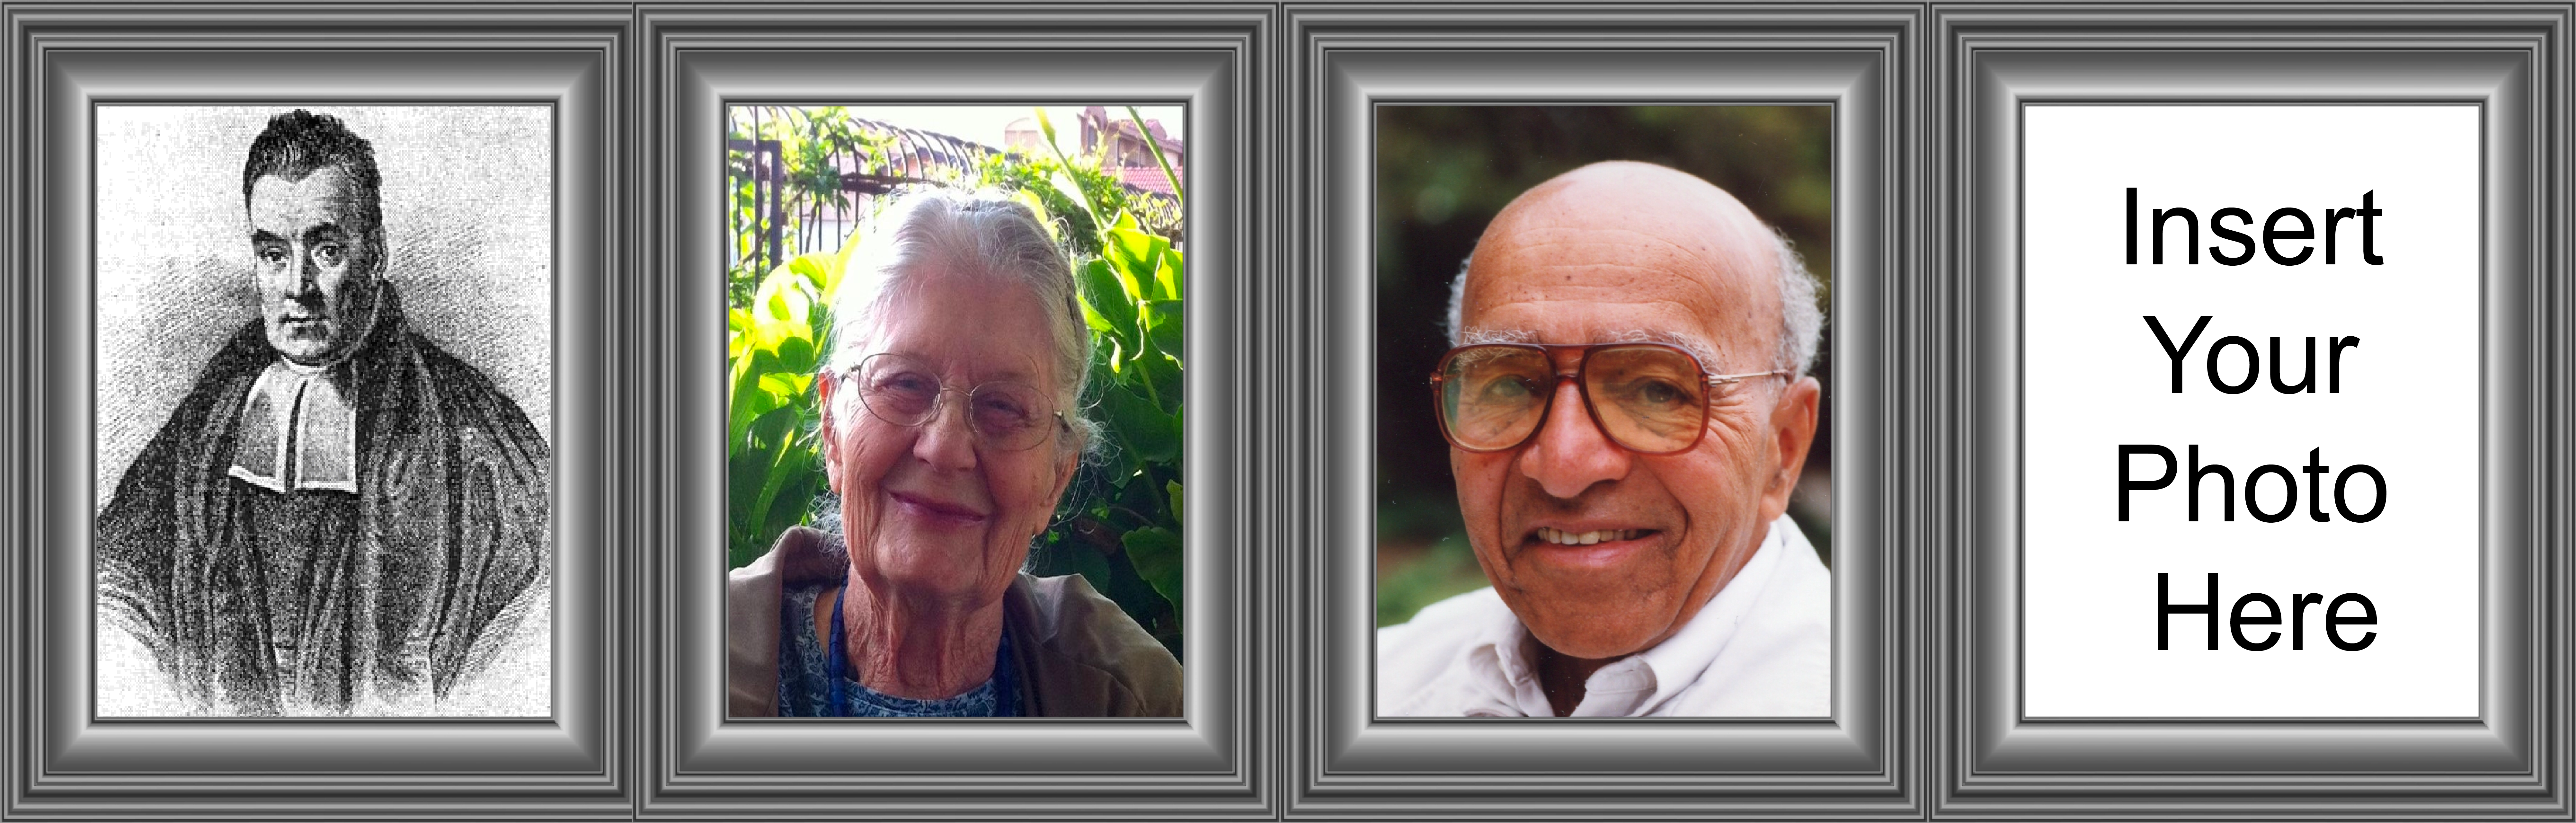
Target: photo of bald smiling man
x,y
1628,408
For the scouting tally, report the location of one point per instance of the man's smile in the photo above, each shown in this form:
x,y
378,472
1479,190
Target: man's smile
x,y
1566,538
1587,547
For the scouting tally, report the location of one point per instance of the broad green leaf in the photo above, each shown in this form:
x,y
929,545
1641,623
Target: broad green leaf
x,y
737,364
1091,317
796,355
766,504
1156,554
1129,276
815,268
1172,492
787,385
830,289
1163,374
793,482
761,361
818,323
1139,503
746,470
1167,275
776,426
1089,563
1135,254
1103,294
782,303
777,304
747,373
738,325
1162,322
750,398
747,406
787,296
1145,430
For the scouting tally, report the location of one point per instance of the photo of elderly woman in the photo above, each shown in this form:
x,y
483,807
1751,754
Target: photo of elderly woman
x,y
953,455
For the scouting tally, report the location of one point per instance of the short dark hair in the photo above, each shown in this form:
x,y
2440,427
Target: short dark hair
x,y
299,142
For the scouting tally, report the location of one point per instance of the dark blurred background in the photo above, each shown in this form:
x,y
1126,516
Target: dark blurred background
x,y
1442,174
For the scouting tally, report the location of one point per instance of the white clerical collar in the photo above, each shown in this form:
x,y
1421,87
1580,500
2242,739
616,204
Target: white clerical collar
x,y
297,432
1505,659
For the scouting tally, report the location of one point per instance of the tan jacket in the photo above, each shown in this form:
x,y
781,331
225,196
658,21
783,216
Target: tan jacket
x,y
1077,655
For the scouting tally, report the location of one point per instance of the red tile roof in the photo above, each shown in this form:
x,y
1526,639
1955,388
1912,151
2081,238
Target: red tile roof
x,y
1149,179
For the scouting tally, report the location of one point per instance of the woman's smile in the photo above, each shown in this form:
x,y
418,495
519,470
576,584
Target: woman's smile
x,y
938,513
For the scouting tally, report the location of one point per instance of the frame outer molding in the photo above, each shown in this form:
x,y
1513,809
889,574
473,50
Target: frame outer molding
x,y
1216,763
1344,764
2511,764
59,763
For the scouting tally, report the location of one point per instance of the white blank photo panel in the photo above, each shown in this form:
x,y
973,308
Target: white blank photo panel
x,y
2310,449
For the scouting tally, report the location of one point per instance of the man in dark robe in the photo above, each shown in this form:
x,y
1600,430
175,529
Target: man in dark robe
x,y
339,516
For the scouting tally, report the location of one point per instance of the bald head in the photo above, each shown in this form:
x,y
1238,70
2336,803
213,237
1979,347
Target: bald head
x,y
1649,233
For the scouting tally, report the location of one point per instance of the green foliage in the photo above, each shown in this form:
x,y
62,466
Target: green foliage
x,y
1418,576
1122,530
812,144
773,462
1042,179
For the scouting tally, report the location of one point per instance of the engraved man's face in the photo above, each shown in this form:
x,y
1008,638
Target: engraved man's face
x,y
315,264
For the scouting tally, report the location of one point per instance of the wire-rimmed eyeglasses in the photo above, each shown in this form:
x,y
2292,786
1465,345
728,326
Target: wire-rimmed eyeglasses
x,y
1005,415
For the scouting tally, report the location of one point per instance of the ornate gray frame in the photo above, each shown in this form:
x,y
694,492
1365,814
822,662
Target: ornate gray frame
x,y
1859,59
64,59
1214,761
1993,62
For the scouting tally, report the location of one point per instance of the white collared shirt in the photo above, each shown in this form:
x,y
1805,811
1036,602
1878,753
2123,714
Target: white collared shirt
x,y
1762,647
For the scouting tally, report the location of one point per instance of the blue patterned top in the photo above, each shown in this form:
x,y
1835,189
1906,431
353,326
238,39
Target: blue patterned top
x,y
805,675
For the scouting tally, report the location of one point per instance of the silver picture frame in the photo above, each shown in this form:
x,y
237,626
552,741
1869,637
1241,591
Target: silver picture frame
x,y
1858,59
1212,762
67,59
1996,61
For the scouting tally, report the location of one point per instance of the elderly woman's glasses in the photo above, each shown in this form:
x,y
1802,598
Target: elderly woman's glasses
x,y
1649,398
1005,415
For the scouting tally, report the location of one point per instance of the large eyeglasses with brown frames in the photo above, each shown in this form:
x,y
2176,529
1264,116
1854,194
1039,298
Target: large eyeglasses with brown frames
x,y
1650,398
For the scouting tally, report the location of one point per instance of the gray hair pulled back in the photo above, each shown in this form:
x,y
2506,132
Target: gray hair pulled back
x,y
937,233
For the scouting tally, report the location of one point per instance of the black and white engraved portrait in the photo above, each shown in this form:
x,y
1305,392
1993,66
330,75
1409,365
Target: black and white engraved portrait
x,y
324,387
